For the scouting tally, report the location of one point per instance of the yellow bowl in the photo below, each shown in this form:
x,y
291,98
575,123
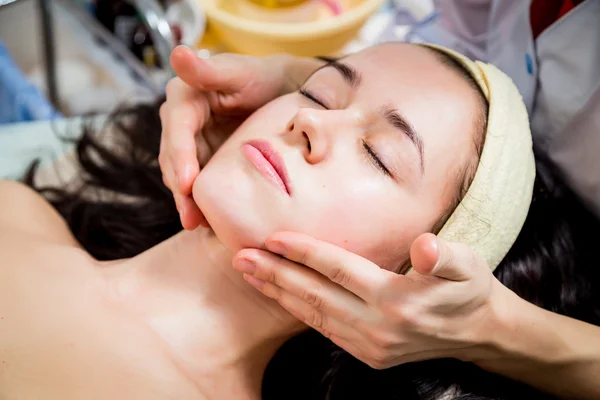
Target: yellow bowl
x,y
318,38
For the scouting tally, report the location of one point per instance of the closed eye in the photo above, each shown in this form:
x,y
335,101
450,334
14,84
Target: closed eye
x,y
371,154
312,98
376,160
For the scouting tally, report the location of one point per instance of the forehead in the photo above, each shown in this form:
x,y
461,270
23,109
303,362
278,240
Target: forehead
x,y
414,78
435,99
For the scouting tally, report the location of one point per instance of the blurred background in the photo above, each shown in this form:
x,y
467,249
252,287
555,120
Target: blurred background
x,y
65,58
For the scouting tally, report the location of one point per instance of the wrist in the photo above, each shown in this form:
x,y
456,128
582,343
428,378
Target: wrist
x,y
508,312
495,327
524,336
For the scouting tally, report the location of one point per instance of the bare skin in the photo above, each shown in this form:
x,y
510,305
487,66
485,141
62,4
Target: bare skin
x,y
158,326
178,321
549,351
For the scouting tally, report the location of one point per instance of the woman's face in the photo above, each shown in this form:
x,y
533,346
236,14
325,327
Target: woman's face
x,y
372,149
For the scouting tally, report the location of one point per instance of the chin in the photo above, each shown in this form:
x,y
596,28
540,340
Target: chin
x,y
233,211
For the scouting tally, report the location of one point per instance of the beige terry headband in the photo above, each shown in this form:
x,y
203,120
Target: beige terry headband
x,y
491,215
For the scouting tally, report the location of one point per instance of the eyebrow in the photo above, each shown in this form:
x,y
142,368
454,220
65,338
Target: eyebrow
x,y
394,118
350,75
391,115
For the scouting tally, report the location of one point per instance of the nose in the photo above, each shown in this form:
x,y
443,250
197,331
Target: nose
x,y
317,129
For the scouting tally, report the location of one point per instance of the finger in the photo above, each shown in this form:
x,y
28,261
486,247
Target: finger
x,y
222,73
178,199
186,112
431,255
192,217
342,335
186,117
325,324
348,345
424,254
305,284
354,273
203,151
164,162
186,215
168,175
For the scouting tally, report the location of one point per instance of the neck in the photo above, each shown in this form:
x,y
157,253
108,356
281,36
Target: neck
x,y
218,330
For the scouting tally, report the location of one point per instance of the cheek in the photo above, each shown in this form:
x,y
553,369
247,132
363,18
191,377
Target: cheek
x,y
368,217
229,193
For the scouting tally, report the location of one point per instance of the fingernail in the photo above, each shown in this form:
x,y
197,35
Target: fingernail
x,y
277,247
245,266
257,283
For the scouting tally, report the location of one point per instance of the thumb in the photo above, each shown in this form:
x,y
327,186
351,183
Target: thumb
x,y
221,73
433,256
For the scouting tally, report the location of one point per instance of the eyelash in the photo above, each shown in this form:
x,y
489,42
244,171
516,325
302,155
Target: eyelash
x,y
375,159
369,151
312,98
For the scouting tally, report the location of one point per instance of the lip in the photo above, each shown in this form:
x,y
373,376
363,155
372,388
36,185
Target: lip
x,y
268,162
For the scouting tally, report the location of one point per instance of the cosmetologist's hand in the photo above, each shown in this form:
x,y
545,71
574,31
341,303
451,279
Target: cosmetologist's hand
x,y
447,306
205,104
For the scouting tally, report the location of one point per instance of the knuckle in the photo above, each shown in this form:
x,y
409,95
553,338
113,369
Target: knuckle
x,y
378,360
385,342
316,319
407,317
270,275
327,334
172,86
166,181
162,113
312,297
162,159
304,256
381,340
165,175
309,297
266,271
338,275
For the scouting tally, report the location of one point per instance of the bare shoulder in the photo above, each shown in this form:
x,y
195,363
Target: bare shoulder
x,y
60,340
59,336
35,241
24,211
